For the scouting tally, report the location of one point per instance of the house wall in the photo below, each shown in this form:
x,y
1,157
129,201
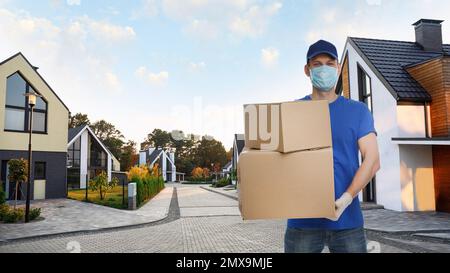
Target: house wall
x,y
142,157
345,78
434,76
57,119
84,158
417,178
388,188
55,180
411,121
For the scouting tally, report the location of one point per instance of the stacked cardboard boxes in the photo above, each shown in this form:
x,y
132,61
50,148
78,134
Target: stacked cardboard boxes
x,y
286,169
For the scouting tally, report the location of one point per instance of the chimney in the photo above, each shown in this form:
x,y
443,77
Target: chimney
x,y
429,34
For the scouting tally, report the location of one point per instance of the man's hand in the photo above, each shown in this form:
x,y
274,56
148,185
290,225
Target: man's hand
x,y
341,204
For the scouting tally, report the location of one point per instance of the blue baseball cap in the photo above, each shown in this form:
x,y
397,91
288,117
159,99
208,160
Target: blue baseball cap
x,y
321,47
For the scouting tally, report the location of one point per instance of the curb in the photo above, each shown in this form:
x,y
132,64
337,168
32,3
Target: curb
x,y
221,193
98,230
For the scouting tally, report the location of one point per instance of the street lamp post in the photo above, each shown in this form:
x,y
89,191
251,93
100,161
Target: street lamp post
x,y
31,102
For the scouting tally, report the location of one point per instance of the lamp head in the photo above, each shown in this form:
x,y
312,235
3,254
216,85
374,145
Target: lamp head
x,y
32,96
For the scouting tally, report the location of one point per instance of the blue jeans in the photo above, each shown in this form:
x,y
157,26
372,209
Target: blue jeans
x,y
314,240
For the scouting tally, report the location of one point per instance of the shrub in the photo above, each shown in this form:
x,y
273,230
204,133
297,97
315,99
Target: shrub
x,y
222,183
2,195
138,173
18,171
4,209
100,183
13,216
148,183
35,213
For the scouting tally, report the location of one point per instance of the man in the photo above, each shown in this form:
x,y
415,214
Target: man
x,y
353,131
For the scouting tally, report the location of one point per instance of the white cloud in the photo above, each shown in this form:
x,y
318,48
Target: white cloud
x,y
159,78
148,8
112,81
254,21
202,29
210,19
73,2
269,56
107,31
193,66
72,55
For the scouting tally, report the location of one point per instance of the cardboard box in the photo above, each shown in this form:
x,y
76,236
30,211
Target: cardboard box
x,y
288,127
274,185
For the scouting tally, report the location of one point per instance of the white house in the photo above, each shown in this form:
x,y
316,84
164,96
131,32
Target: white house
x,y
403,85
226,170
87,156
164,157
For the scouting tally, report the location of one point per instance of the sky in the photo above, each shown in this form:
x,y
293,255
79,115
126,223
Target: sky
x,y
190,65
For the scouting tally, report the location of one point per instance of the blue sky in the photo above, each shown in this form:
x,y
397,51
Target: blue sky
x,y
190,64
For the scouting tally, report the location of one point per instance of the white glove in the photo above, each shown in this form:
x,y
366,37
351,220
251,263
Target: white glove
x,y
341,204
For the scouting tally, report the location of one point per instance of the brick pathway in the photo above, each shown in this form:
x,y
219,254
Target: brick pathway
x,y
186,229
65,215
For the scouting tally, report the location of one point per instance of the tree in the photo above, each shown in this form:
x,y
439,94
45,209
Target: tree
x,y
230,154
100,183
157,138
18,173
209,151
129,156
78,120
105,130
110,136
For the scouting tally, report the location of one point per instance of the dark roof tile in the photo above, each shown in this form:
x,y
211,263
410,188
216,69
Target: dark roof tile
x,y
390,58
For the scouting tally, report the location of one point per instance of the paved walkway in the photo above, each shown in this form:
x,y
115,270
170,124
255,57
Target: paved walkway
x,y
65,215
198,221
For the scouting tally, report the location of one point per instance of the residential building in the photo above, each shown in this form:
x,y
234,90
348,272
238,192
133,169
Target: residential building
x,y
406,85
49,140
165,158
87,157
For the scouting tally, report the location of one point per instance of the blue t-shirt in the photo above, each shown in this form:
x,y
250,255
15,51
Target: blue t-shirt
x,y
350,121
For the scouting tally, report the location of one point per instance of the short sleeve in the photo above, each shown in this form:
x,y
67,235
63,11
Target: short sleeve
x,y
366,123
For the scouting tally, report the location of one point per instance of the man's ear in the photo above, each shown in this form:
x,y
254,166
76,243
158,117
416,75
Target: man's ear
x,y
307,72
339,69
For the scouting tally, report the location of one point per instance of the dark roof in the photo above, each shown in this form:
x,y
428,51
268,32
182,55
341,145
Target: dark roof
x,y
389,59
151,157
240,142
73,132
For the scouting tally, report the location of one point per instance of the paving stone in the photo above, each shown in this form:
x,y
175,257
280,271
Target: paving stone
x,y
186,234
65,215
391,221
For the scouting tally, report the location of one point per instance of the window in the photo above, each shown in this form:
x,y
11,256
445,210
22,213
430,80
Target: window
x,y
365,96
17,114
365,88
73,153
39,170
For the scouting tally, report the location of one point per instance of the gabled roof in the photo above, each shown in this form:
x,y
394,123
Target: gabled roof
x,y
76,132
35,70
155,154
73,132
388,60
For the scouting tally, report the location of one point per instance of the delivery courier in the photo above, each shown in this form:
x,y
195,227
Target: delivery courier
x,y
301,162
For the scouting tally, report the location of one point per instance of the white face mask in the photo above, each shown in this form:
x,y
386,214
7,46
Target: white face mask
x,y
324,77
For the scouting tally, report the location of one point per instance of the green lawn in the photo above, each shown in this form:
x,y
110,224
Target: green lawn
x,y
113,198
